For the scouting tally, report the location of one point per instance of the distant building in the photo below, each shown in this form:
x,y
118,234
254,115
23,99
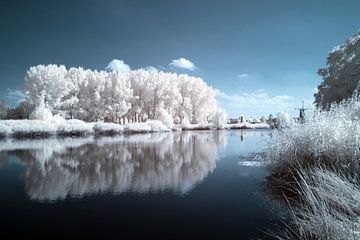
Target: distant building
x,y
234,120
251,120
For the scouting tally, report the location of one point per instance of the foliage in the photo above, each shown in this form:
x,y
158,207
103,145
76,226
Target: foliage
x,y
316,166
342,74
118,96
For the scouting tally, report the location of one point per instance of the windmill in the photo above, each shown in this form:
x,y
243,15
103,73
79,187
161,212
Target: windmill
x,y
302,112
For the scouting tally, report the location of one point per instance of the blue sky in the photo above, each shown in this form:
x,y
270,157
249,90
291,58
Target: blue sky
x,y
262,56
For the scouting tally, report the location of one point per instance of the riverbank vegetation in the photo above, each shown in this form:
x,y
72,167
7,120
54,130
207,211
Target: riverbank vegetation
x,y
315,167
78,102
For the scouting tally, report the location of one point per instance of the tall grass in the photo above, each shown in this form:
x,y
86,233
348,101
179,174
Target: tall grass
x,y
315,169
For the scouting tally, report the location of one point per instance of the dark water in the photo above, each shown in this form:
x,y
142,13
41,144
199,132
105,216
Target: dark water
x,y
167,185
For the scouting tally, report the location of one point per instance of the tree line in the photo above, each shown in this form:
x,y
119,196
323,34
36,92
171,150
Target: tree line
x,y
120,97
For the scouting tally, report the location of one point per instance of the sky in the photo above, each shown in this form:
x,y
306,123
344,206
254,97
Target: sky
x,y
260,56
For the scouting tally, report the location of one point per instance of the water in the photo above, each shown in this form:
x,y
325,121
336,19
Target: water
x,y
166,185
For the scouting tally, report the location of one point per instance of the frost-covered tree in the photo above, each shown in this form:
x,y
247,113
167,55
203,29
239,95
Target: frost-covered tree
x,y
116,96
198,99
341,76
47,81
120,96
220,118
90,108
41,112
70,103
283,119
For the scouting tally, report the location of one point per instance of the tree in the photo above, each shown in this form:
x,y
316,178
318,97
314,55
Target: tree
x,y
47,81
118,96
283,119
198,99
3,110
220,118
24,109
341,76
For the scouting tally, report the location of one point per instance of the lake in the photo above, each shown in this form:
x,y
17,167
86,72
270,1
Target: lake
x,y
179,185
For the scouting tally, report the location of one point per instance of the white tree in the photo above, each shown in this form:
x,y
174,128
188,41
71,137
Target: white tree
x,y
41,112
220,118
198,99
117,96
90,99
283,119
47,81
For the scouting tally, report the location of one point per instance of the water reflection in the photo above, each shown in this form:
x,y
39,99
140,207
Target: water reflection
x,y
59,168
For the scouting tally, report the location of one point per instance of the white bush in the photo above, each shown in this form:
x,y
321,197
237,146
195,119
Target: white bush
x,y
220,119
284,119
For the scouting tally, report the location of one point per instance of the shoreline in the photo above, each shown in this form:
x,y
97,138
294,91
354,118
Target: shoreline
x,y
35,129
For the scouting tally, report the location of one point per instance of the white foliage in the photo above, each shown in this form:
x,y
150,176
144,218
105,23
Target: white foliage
x,y
47,82
283,119
41,112
333,134
220,118
331,207
325,153
119,96
53,125
166,118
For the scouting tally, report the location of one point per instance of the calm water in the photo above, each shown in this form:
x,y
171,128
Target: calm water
x,y
167,185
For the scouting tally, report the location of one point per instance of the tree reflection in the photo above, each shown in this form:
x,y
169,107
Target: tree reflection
x,y
61,168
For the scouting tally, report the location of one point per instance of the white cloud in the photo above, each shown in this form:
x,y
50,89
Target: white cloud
x,y
151,69
15,95
183,63
118,65
243,75
256,103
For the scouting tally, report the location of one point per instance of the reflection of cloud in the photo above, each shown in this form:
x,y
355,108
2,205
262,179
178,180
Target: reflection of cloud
x,y
138,163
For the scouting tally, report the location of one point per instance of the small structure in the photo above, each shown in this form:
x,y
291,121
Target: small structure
x,y
233,120
302,115
242,119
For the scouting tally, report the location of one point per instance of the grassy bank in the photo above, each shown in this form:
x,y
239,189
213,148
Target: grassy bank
x,y
77,128
73,128
314,170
